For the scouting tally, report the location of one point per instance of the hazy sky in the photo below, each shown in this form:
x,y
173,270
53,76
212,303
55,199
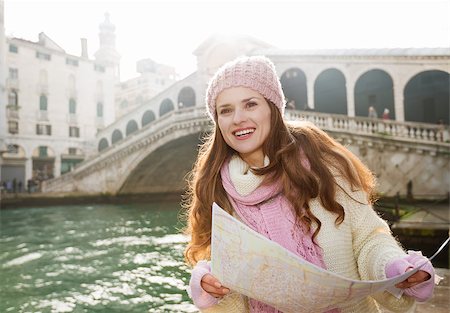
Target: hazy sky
x,y
169,31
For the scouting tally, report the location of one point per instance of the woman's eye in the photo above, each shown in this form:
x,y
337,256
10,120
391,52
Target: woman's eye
x,y
251,104
224,111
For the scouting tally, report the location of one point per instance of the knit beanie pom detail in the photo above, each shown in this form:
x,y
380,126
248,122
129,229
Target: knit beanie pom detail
x,y
255,72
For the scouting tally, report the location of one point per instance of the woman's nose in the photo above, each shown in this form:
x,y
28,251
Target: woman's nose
x,y
239,116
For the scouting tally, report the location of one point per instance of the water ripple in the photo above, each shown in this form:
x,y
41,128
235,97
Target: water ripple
x,y
23,259
100,258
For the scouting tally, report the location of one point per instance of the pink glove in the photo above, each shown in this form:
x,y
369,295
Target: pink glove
x,y
200,297
421,292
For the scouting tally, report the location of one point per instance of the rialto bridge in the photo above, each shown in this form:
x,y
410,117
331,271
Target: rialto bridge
x,y
151,149
157,158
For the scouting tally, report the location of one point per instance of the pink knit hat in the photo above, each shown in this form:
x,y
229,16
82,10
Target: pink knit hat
x,y
256,72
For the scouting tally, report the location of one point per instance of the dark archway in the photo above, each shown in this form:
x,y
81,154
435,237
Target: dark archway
x,y
103,144
165,107
147,118
132,126
426,97
186,98
374,88
293,82
330,95
165,169
116,136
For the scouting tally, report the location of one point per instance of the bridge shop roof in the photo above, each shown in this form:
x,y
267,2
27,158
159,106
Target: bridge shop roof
x,y
356,52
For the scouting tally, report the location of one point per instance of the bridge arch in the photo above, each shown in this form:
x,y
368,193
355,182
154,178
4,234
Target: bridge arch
x,y
426,97
147,118
164,169
186,97
330,95
103,144
374,88
165,107
132,126
293,82
116,136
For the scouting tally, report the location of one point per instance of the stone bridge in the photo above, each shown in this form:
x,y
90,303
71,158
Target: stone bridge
x,y
157,157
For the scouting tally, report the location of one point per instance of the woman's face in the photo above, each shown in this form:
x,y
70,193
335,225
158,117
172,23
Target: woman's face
x,y
243,116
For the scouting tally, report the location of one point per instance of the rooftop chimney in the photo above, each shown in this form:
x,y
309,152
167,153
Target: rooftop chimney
x,y
84,51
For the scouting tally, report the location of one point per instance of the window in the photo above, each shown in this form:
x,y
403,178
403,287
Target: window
x,y
13,127
99,109
124,104
13,149
99,68
372,99
13,49
71,62
13,73
43,56
13,99
43,152
43,129
72,106
74,131
72,151
43,103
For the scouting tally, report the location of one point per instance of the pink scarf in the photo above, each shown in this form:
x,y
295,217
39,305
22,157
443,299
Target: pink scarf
x,y
267,211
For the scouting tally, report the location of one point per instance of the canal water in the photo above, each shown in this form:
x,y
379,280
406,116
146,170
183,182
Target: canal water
x,y
98,258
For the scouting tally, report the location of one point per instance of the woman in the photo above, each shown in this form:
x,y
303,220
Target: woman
x,y
295,185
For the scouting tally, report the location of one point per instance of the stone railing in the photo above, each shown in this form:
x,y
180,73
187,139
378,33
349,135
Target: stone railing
x,y
375,127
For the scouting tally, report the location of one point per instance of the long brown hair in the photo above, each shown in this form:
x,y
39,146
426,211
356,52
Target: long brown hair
x,y
286,145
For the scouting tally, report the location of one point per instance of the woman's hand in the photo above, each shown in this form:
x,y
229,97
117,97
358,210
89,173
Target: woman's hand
x,y
414,279
212,286
420,285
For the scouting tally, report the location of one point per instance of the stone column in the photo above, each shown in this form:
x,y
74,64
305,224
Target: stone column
x,y
57,168
350,87
28,169
399,86
310,91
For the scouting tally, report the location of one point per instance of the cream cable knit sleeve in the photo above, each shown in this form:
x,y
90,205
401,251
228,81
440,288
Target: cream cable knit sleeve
x,y
372,243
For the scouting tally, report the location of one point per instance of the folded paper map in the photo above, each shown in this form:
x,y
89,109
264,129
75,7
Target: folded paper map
x,y
252,265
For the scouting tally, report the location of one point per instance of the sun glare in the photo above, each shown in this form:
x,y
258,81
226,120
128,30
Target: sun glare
x,y
168,32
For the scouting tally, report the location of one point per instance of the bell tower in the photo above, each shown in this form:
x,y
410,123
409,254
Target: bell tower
x,y
107,54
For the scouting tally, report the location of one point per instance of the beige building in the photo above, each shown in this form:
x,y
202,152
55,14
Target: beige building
x,y
53,103
137,91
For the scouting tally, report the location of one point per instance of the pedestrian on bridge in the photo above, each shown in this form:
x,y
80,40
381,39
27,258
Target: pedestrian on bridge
x,y
293,184
372,112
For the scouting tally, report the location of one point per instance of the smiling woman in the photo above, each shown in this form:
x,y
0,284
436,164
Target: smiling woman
x,y
293,184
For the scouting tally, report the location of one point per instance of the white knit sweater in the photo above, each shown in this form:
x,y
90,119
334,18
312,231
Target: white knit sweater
x,y
359,248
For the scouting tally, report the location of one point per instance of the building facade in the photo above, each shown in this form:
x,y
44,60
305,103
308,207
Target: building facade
x,y
55,103
154,78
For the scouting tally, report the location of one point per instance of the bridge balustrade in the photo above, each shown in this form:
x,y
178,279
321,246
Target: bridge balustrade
x,y
378,127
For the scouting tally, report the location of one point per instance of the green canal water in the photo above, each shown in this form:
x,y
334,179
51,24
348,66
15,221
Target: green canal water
x,y
99,258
